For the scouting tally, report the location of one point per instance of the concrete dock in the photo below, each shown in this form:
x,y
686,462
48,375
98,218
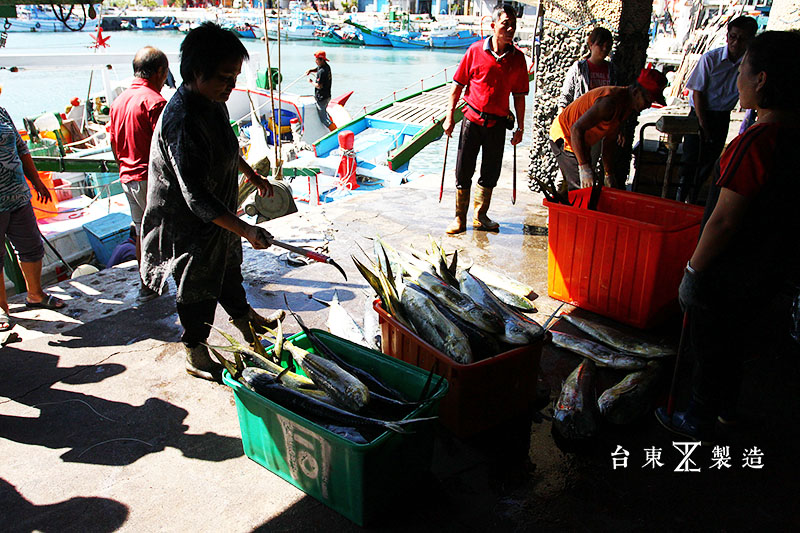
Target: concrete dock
x,y
101,429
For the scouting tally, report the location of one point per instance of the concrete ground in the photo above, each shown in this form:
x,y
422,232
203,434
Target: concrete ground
x,y
101,429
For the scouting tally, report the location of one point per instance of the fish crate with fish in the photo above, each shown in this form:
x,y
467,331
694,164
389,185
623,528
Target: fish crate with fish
x,y
482,394
623,260
359,478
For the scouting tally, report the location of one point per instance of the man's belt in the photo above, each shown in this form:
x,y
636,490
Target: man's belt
x,y
489,116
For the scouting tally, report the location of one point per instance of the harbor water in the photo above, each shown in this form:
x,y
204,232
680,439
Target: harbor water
x,y
372,73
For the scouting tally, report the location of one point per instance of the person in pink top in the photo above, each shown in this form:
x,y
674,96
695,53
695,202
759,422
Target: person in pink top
x,y
134,115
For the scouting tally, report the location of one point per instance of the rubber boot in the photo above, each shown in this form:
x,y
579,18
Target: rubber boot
x,y
243,322
459,224
200,365
483,197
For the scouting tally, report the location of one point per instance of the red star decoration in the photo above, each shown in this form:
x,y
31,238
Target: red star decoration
x,y
99,40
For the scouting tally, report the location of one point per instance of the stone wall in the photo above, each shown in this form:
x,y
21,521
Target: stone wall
x,y
567,24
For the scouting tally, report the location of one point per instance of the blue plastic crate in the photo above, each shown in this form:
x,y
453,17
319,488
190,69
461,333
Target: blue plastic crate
x,y
106,233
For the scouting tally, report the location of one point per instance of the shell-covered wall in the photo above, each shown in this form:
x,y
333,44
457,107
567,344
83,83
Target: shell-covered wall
x,y
566,27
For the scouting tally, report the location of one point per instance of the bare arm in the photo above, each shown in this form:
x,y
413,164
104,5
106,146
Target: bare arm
x,y
258,237
32,174
723,224
455,96
609,151
603,109
519,107
264,186
700,107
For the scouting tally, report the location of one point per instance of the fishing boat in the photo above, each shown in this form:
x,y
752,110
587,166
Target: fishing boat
x,y
300,25
384,139
342,36
168,23
53,18
454,40
245,30
377,36
408,39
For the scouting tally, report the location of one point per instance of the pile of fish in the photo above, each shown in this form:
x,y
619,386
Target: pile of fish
x,y
455,311
331,392
576,412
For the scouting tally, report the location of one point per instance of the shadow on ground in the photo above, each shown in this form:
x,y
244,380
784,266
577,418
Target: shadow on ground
x,y
75,514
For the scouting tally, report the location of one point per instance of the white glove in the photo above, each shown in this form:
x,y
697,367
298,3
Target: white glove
x,y
587,176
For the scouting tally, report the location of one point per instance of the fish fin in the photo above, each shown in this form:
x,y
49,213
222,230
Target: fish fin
x,y
231,349
323,302
394,426
228,337
335,297
279,376
552,316
453,265
257,346
234,372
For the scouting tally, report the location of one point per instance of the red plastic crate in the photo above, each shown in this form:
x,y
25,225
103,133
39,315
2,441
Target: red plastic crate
x,y
626,259
481,394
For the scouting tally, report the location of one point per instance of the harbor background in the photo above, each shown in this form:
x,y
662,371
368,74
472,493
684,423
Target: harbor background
x,y
371,72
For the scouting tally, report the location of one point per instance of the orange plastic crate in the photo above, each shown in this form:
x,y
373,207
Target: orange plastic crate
x,y
41,209
481,394
626,259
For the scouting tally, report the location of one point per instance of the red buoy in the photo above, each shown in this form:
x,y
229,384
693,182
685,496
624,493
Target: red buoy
x,y
346,140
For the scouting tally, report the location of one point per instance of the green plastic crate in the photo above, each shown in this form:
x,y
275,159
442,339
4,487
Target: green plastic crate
x,y
104,184
360,481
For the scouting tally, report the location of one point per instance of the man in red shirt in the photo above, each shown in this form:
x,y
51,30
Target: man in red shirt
x,y
133,118
489,72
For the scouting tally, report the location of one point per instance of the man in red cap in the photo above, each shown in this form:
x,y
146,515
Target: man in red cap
x,y
322,88
595,116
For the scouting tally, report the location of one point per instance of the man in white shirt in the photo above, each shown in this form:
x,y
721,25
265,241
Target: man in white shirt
x,y
713,95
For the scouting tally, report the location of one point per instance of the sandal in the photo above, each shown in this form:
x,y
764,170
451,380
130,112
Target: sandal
x,y
51,302
5,321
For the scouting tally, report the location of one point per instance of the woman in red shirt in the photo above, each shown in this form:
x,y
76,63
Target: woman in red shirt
x,y
747,260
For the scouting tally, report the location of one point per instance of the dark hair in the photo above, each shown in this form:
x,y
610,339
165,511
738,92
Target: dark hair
x,y
599,36
205,48
148,61
747,24
501,8
769,53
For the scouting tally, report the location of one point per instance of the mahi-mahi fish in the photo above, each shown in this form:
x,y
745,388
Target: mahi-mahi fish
x,y
575,411
596,352
618,339
630,398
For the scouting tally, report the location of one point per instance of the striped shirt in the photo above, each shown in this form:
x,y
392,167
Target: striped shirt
x,y
14,190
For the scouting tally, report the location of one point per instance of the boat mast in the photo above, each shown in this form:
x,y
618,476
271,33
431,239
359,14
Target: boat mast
x,y
278,172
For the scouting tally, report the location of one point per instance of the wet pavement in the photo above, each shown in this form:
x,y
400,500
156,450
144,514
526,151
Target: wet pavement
x,y
101,428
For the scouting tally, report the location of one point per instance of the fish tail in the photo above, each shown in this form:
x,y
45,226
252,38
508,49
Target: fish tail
x,y
397,428
415,420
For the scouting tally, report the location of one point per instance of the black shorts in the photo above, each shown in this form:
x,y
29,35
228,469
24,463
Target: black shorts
x,y
21,228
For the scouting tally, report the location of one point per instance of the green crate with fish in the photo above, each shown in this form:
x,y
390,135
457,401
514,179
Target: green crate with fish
x,y
440,318
341,422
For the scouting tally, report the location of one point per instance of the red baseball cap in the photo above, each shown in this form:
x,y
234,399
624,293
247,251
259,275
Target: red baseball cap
x,y
654,82
321,55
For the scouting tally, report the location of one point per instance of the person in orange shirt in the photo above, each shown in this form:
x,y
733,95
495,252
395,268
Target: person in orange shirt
x,y
596,116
